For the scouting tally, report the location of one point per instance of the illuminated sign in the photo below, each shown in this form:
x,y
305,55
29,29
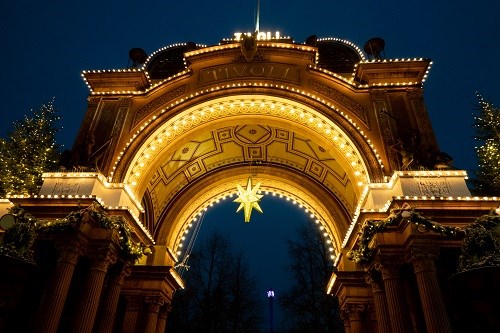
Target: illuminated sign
x,y
272,71
260,36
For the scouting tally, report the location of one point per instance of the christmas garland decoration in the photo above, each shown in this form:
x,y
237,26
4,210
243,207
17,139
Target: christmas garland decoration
x,y
481,247
18,239
364,255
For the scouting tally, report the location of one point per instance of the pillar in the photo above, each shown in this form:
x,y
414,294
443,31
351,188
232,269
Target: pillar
x,y
133,306
345,318
382,314
52,305
162,318
153,303
436,317
371,319
354,314
109,304
396,304
91,291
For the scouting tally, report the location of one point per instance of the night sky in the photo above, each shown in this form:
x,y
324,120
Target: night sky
x,y
46,44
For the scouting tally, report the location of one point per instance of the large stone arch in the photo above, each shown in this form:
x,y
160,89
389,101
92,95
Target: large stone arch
x,y
345,138
348,160
328,114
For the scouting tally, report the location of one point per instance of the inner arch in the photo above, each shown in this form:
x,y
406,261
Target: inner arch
x,y
323,208
269,109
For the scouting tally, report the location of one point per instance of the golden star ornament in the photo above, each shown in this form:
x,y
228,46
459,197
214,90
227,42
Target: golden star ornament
x,y
248,199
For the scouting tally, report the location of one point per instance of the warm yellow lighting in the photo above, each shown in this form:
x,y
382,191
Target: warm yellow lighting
x,y
248,199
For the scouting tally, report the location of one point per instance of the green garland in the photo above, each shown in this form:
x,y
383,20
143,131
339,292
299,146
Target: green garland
x,y
18,239
481,247
364,255
26,228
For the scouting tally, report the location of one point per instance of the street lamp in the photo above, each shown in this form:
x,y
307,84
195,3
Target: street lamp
x,y
270,297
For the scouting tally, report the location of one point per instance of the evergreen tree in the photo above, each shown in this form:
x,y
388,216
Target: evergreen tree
x,y
29,150
487,124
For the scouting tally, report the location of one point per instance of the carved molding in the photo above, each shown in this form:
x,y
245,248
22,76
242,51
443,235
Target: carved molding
x,y
159,102
100,259
154,303
389,266
423,259
372,278
354,312
165,310
71,251
337,96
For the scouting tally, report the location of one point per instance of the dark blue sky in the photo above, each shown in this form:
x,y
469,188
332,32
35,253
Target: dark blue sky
x,y
46,44
262,240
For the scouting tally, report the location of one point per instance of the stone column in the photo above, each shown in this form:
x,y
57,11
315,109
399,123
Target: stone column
x,y
133,306
109,304
345,318
436,317
52,305
91,291
162,318
396,304
354,314
371,319
154,303
382,314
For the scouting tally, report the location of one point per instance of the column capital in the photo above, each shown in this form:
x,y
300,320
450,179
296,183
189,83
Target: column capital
x,y
154,303
423,259
353,311
119,271
372,278
101,258
389,266
164,310
69,253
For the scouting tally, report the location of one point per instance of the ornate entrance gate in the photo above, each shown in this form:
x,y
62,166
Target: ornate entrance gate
x,y
345,137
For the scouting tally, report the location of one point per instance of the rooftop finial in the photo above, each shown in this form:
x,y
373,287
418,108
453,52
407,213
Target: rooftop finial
x,y
257,17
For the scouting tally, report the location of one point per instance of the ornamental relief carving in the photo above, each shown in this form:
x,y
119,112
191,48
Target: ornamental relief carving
x,y
251,143
191,119
69,188
93,101
158,102
407,74
415,93
337,96
104,154
134,83
385,125
434,187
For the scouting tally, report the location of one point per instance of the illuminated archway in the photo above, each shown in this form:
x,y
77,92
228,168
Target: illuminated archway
x,y
300,153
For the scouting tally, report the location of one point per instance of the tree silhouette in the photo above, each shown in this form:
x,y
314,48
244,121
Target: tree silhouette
x,y
220,295
307,306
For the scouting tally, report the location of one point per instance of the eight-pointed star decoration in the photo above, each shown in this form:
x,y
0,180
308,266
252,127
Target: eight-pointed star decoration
x,y
248,199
